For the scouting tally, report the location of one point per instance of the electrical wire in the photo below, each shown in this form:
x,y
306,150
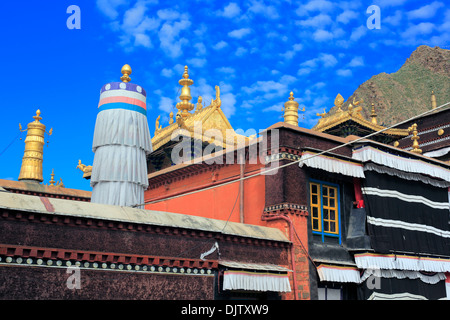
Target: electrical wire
x,y
10,144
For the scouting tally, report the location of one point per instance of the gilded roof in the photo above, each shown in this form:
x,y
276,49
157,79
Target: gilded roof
x,y
353,113
210,118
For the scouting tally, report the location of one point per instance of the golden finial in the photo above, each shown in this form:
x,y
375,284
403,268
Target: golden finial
x,y
199,103
373,115
414,138
338,102
126,71
291,110
37,117
185,106
433,100
31,170
171,117
52,180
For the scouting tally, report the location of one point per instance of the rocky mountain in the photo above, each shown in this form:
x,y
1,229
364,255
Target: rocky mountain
x,y
407,92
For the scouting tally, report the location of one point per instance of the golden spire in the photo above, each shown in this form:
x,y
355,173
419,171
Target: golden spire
x,y
126,71
433,100
171,117
291,110
185,106
414,138
52,180
373,115
31,170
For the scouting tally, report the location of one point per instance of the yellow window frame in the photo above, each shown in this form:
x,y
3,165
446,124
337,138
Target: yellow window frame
x,y
324,203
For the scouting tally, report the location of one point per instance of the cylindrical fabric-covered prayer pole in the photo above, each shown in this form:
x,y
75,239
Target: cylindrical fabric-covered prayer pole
x,y
121,144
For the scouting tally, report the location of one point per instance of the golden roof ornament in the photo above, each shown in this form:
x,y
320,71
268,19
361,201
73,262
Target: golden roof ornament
x,y
31,170
157,125
185,106
414,138
373,115
199,103
171,117
126,71
433,100
291,110
52,180
338,102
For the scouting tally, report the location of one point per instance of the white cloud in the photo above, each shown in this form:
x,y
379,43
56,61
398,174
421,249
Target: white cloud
x,y
240,51
135,15
168,36
276,107
389,3
267,90
220,45
328,60
346,16
304,71
422,28
357,61
268,11
141,39
239,33
291,53
425,12
166,104
135,26
322,35
395,19
168,14
344,72
358,33
314,5
228,103
325,60
197,62
109,7
200,48
168,73
227,70
318,21
230,11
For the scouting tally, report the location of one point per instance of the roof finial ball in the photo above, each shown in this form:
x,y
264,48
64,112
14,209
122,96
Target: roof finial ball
x,y
126,71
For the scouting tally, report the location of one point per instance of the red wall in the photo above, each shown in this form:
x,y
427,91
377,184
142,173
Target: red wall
x,y
221,202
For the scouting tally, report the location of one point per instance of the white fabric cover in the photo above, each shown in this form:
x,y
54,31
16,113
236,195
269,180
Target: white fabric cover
x,y
369,166
403,274
331,164
256,281
365,154
350,274
121,144
400,262
338,274
124,164
118,193
122,127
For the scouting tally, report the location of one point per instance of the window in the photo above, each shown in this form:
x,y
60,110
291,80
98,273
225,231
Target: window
x,y
324,202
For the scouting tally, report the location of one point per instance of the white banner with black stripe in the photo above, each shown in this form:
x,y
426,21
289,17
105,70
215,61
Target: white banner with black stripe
x,y
405,215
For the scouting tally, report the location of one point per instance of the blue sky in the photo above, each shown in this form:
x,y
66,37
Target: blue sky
x,y
257,51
